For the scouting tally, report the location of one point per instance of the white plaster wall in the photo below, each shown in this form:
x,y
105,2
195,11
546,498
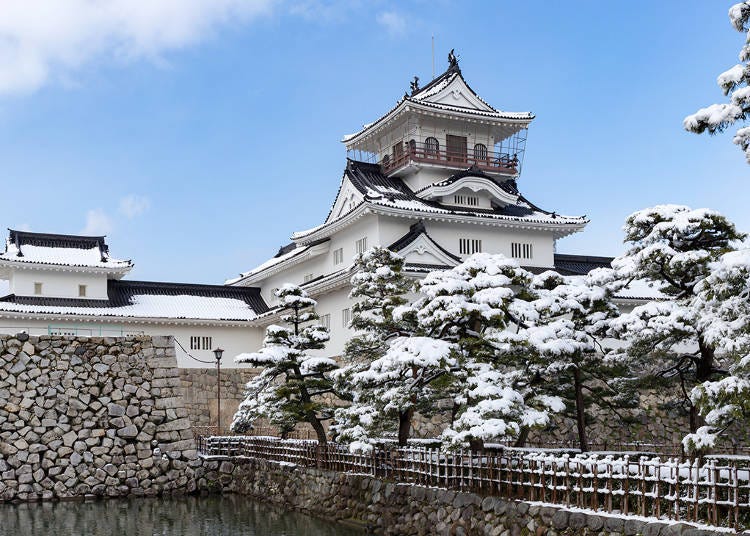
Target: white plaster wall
x,y
494,240
367,226
334,303
58,284
234,340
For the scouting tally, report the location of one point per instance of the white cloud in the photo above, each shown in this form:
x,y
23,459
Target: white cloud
x,y
132,205
49,39
97,223
392,21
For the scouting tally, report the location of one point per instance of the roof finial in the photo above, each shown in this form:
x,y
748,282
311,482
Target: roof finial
x,y
452,61
414,85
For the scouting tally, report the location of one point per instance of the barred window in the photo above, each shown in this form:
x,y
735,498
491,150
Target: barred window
x,y
519,250
468,246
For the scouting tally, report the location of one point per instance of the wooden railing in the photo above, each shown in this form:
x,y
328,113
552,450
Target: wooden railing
x,y
486,160
713,493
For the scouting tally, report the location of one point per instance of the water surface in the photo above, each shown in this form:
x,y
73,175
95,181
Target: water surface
x,y
227,515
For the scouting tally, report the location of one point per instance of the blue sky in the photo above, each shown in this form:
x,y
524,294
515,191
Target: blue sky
x,y
200,139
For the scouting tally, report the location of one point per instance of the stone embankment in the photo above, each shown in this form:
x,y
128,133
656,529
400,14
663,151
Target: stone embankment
x,y
92,416
388,508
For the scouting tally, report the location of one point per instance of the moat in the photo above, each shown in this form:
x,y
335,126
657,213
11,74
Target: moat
x,y
227,515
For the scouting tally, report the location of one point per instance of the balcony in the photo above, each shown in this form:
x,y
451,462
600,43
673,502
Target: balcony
x,y
488,161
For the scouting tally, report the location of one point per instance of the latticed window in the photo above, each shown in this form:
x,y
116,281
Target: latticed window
x,y
346,317
520,250
361,245
468,246
480,151
338,256
431,146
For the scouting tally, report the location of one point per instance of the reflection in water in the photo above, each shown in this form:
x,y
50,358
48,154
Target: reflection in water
x,y
228,515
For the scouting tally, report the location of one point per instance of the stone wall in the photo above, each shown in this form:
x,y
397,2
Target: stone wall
x,y
198,387
92,416
387,508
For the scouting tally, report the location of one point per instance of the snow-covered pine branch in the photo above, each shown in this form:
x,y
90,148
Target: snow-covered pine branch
x,y
723,305
673,248
380,314
734,83
293,386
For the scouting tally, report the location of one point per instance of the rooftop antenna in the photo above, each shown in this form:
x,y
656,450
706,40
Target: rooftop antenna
x,y
433,57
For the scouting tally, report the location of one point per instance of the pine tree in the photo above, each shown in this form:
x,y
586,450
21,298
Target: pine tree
x,y
735,83
293,386
379,287
567,341
672,247
378,315
723,303
494,386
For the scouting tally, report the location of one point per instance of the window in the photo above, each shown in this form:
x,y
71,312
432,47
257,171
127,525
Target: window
x,y
346,317
81,291
325,321
520,250
431,146
480,151
467,246
361,245
201,343
398,152
338,256
455,148
64,332
37,289
308,277
466,200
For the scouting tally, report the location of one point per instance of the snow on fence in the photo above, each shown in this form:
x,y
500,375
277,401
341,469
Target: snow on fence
x,y
713,493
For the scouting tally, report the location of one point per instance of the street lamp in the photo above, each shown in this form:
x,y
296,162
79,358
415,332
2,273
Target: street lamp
x,y
218,352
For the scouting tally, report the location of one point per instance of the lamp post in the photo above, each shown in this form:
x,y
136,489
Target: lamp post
x,y
218,352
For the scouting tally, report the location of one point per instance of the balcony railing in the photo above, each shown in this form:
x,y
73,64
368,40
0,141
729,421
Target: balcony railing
x,y
489,161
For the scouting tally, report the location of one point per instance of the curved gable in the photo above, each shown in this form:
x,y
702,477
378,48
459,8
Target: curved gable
x,y
458,93
500,194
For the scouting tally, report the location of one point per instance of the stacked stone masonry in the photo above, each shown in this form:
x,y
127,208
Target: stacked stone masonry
x,y
92,416
199,390
390,509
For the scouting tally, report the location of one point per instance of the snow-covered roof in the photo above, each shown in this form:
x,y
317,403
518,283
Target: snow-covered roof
x,y
429,97
71,251
285,253
379,190
149,300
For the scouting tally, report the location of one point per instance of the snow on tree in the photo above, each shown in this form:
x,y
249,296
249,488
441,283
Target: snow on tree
x,y
672,247
293,386
402,380
567,340
494,388
379,286
723,301
735,83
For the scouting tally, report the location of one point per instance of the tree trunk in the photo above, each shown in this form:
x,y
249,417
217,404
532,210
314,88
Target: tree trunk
x,y
404,426
318,427
580,411
522,437
476,444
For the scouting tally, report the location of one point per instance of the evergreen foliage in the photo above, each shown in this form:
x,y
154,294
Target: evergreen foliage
x,y
735,83
293,386
672,247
